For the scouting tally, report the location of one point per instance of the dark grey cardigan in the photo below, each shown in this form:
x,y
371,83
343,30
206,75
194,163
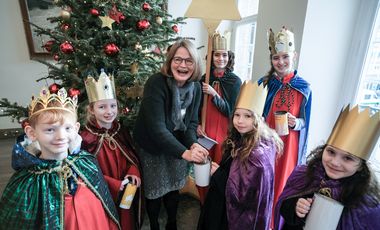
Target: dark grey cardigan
x,y
154,129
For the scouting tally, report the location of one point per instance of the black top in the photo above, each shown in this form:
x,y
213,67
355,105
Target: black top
x,y
154,130
230,85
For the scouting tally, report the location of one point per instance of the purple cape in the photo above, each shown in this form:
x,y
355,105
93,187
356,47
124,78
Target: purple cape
x,y
361,217
249,191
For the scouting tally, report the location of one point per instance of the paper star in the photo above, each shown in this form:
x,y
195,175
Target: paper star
x,y
212,12
114,14
106,21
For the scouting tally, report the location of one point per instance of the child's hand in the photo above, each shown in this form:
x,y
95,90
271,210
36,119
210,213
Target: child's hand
x,y
200,131
291,120
123,183
214,167
303,207
133,180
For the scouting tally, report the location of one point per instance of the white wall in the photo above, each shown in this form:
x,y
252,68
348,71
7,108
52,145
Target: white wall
x,y
275,14
326,43
18,73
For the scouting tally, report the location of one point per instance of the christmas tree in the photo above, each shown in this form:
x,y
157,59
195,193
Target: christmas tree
x,y
127,39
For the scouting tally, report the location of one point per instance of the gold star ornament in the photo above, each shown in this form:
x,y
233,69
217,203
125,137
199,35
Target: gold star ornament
x,y
106,21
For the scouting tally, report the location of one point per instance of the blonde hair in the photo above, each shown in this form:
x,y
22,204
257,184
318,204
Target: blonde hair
x,y
52,115
187,44
241,146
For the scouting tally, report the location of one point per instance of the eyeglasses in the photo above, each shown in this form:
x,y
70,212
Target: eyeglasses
x,y
179,60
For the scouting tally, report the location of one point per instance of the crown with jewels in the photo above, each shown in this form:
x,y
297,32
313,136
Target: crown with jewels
x,y
252,97
219,42
356,132
50,101
101,89
283,41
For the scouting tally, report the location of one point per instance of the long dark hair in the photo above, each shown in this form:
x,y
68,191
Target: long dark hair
x,y
355,187
231,61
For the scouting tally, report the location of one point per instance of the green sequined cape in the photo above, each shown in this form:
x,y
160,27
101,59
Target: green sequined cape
x,y
34,196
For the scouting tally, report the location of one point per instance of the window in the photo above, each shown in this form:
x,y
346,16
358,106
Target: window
x,y
244,38
368,95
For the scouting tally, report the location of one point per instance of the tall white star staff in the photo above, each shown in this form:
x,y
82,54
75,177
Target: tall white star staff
x,y
212,12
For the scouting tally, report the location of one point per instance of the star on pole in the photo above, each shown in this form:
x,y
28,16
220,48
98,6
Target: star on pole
x,y
106,21
212,12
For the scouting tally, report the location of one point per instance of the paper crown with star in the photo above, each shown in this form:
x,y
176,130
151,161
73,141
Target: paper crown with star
x,y
356,132
283,41
101,89
252,97
53,101
219,42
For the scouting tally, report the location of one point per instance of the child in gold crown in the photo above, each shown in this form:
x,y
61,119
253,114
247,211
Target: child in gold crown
x,y
52,188
241,187
338,169
112,145
287,92
223,89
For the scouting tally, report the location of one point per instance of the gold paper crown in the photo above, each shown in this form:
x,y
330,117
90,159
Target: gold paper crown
x,y
252,97
102,89
282,42
356,132
219,42
50,101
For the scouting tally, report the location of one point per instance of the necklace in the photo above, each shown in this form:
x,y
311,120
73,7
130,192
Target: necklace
x,y
286,97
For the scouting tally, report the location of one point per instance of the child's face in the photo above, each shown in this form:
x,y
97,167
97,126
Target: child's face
x,y
338,163
220,59
243,120
283,63
55,137
105,112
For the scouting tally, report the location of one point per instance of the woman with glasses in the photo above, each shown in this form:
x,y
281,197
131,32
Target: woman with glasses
x,y
222,91
165,130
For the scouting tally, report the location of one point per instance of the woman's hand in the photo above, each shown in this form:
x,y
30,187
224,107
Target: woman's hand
x,y
291,120
303,207
214,167
196,154
200,131
206,88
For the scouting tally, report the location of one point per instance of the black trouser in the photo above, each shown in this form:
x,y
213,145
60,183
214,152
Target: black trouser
x,y
153,206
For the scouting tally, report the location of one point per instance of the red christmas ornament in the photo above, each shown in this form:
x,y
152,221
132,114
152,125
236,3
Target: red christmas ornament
x,y
114,14
146,6
94,12
56,57
74,92
24,123
175,28
53,88
65,27
111,49
48,45
143,24
122,17
66,47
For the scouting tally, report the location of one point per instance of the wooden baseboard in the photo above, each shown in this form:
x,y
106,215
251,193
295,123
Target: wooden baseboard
x,y
10,133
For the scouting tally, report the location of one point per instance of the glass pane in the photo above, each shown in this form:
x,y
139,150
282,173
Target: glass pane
x,y
244,48
248,7
369,88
